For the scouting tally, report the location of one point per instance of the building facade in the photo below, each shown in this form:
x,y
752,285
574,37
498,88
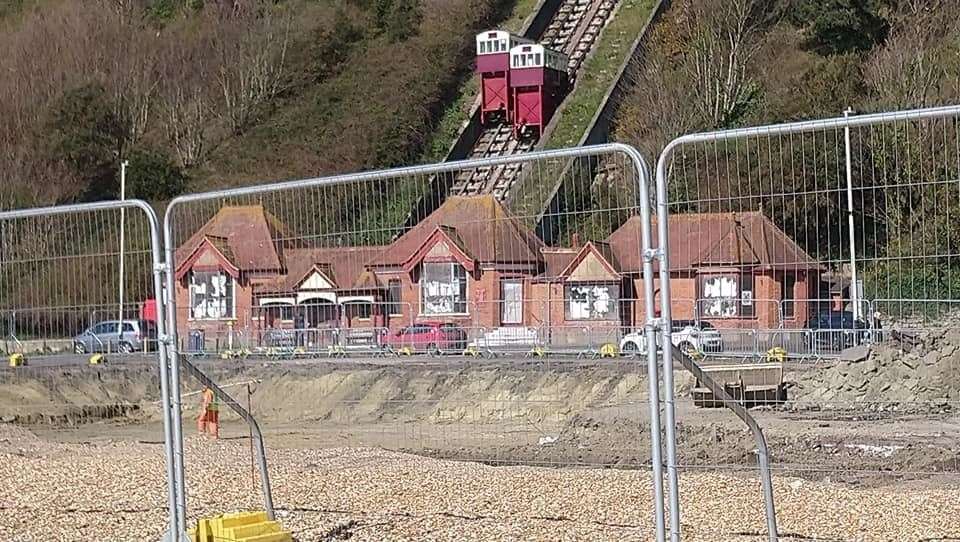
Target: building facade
x,y
245,277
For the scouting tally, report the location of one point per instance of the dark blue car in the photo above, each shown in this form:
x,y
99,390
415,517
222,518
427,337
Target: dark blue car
x,y
837,330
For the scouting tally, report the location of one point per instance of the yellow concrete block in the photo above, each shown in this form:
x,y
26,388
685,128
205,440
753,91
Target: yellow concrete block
x,y
202,533
255,529
17,360
240,527
223,524
609,350
273,537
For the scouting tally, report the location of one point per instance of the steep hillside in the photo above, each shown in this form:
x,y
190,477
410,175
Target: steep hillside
x,y
723,64
714,64
201,94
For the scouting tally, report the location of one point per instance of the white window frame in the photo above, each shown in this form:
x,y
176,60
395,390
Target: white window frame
x,y
518,283
233,301
466,300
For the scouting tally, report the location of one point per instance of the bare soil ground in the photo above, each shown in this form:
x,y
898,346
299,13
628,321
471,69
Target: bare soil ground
x,y
536,436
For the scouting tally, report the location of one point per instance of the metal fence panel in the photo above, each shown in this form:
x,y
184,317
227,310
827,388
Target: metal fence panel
x,y
78,291
380,311
848,226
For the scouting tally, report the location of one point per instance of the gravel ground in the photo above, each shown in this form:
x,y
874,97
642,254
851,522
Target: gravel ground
x,y
115,492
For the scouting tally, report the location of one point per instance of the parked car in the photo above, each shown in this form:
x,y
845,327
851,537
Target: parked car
x,y
689,335
136,336
837,330
508,337
432,337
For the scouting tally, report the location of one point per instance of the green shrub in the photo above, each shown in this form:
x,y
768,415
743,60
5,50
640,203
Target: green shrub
x,y
152,175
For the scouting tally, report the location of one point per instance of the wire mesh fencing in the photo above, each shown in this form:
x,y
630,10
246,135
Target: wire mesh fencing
x,y
78,317
377,310
847,227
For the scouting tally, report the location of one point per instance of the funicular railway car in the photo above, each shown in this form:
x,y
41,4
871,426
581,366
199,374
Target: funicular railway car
x,y
493,67
538,82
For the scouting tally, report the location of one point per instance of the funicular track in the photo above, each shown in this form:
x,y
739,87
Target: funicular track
x,y
573,30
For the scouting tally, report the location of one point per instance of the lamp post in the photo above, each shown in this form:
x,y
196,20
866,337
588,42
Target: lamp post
x,y
854,285
123,197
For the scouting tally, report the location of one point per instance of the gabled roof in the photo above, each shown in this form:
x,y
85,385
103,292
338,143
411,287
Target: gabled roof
x,y
556,259
484,228
601,251
714,240
215,247
344,266
325,270
254,237
448,236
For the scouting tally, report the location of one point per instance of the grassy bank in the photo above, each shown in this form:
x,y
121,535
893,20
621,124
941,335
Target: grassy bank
x,y
599,71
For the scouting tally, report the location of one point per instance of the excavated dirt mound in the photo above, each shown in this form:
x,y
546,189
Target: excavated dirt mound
x,y
913,373
591,413
76,395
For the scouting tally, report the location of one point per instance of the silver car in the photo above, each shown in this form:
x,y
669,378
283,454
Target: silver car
x,y
137,336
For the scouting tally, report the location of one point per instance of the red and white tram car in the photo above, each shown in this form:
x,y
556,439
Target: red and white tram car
x,y
538,81
493,66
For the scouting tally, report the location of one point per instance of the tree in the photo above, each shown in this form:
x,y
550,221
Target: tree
x,y
404,20
917,65
87,135
722,39
152,175
253,53
841,26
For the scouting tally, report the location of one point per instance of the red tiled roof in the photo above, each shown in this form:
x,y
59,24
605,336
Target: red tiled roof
x,y
221,252
255,239
443,234
556,260
344,265
714,239
483,227
601,249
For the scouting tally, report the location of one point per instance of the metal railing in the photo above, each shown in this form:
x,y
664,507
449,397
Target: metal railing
x,y
875,242
57,301
354,205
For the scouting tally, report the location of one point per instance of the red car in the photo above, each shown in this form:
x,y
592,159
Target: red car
x,y
432,337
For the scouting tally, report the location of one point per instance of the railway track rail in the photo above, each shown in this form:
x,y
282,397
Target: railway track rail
x,y
573,30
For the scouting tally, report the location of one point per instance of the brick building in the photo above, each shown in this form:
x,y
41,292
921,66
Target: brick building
x,y
472,263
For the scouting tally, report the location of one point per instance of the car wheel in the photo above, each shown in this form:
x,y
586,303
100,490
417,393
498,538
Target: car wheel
x,y
79,348
433,349
126,348
630,349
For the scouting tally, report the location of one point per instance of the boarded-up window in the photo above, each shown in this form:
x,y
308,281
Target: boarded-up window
x,y
592,301
443,289
211,296
727,296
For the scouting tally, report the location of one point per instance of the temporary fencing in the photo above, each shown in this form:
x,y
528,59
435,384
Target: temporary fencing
x,y
847,224
74,284
387,264
812,270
